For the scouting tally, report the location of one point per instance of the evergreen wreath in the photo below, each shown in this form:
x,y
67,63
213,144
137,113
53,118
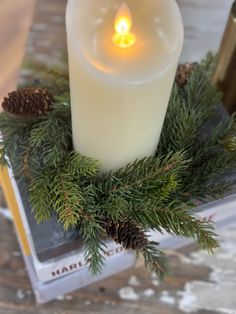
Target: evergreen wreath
x,y
156,193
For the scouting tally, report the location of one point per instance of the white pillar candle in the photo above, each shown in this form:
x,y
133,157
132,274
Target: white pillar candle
x,y
122,62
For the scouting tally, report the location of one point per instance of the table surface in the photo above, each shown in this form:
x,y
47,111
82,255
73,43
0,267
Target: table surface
x,y
133,291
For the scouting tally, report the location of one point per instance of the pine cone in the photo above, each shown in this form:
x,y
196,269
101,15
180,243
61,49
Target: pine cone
x,y
130,235
183,73
28,102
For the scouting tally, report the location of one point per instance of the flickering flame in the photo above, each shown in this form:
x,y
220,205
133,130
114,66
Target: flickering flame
x,y
123,36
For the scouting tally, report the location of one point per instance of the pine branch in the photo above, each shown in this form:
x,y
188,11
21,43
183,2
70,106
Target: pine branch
x,y
180,222
209,161
20,155
52,135
3,156
26,165
212,160
215,190
40,197
201,94
10,124
79,166
189,109
227,139
58,192
143,177
15,143
154,259
208,64
209,170
115,208
63,190
92,232
213,140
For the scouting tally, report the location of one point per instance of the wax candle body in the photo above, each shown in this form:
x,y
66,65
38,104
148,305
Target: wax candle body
x,y
119,96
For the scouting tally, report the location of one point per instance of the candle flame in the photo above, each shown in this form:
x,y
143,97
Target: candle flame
x,y
123,21
123,37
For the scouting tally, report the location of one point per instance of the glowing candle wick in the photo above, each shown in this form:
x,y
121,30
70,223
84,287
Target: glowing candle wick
x,y
123,38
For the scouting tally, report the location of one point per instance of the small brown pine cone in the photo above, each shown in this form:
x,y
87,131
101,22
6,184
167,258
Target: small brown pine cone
x,y
183,73
127,233
28,102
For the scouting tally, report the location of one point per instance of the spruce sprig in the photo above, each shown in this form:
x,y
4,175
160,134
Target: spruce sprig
x,y
92,234
154,259
62,189
40,197
180,222
52,135
144,177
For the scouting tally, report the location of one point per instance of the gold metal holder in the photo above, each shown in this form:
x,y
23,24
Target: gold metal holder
x,y
225,76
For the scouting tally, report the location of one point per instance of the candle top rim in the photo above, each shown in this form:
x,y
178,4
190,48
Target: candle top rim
x,y
137,64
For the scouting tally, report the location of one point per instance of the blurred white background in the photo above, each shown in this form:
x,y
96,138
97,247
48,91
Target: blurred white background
x,y
204,22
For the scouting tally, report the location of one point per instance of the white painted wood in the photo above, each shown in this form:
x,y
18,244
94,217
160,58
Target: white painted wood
x,y
204,22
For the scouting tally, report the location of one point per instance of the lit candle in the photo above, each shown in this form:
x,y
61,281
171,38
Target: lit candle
x,y
122,62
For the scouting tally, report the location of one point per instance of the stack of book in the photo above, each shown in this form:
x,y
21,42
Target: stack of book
x,y
55,259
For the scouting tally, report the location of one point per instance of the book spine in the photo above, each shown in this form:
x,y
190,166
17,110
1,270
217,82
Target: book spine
x,y
12,203
75,262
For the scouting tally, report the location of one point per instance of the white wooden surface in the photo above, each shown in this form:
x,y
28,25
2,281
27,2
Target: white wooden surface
x,y
204,22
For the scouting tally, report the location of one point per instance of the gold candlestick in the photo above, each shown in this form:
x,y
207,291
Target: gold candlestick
x,y
225,76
